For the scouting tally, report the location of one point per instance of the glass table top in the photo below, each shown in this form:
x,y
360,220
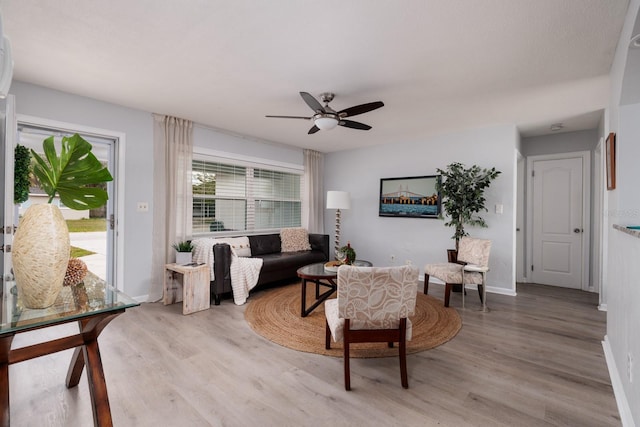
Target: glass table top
x,y
318,269
91,296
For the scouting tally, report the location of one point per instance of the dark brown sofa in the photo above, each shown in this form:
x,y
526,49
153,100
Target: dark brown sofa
x,y
276,265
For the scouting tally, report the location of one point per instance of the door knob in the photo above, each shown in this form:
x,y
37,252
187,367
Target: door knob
x,y
577,230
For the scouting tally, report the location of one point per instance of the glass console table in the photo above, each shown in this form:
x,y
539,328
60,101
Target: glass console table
x,y
93,304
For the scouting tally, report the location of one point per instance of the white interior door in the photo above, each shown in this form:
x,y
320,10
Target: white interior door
x,y
559,222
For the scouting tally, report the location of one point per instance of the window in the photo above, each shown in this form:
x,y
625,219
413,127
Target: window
x,y
241,197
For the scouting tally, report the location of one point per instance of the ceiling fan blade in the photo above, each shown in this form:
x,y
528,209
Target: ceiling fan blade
x,y
312,102
314,129
290,117
359,109
353,125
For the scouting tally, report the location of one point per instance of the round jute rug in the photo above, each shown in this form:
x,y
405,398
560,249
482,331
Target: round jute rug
x,y
275,314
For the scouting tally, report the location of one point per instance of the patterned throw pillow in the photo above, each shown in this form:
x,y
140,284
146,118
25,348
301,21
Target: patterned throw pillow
x,y
240,245
294,239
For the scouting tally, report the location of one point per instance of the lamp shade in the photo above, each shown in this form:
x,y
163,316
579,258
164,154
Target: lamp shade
x,y
338,200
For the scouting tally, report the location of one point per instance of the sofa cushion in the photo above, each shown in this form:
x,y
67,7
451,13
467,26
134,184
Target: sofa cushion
x,y
240,245
264,244
294,239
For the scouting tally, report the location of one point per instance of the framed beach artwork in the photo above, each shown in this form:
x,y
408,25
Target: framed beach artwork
x,y
409,197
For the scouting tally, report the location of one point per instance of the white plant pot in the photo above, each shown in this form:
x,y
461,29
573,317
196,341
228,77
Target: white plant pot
x,y
183,257
40,255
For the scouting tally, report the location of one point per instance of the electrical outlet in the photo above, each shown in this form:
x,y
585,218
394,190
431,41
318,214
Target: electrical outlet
x,y
393,259
143,207
408,262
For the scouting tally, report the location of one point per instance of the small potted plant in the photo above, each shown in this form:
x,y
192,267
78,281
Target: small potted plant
x,y
347,254
462,191
183,251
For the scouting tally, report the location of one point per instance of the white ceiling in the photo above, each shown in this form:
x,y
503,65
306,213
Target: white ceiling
x,y
438,65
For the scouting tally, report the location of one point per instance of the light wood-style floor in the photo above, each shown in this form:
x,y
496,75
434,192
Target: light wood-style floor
x,y
535,359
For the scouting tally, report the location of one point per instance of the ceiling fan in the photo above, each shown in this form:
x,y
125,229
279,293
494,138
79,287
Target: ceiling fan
x,y
326,118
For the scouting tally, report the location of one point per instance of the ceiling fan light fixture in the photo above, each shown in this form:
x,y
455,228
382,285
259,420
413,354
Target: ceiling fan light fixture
x,y
326,118
326,123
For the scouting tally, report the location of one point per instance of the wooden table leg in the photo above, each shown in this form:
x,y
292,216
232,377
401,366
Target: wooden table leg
x,y
303,299
5,348
97,385
89,355
75,368
320,298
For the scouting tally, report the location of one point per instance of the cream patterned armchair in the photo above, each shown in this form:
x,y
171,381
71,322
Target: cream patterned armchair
x,y
373,305
472,266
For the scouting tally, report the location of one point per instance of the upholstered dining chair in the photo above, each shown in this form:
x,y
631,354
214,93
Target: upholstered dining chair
x,y
373,305
470,269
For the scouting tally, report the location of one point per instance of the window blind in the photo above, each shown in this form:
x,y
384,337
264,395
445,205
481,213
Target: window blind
x,y
228,197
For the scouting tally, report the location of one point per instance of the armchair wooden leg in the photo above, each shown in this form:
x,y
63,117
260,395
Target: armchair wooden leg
x,y
426,284
403,353
327,336
447,293
480,288
347,371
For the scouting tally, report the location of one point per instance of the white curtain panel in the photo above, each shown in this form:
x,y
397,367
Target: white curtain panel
x,y
313,195
172,156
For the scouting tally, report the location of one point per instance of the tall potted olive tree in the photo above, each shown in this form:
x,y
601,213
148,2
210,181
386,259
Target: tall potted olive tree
x,y
462,192
41,244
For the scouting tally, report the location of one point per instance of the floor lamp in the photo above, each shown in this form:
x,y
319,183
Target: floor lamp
x,y
338,200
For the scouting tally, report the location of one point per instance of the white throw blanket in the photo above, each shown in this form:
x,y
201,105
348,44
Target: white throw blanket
x,y
244,276
244,271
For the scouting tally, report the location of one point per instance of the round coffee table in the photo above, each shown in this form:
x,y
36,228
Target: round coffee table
x,y
317,274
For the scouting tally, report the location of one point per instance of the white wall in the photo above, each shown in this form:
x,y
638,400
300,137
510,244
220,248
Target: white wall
x,y
621,272
623,278
628,148
565,142
423,240
210,139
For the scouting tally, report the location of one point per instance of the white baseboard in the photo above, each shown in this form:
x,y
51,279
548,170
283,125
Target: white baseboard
x,y
143,298
490,289
602,307
618,390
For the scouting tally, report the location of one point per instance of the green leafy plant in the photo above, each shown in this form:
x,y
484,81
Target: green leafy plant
x,y
72,173
462,191
184,246
350,254
22,163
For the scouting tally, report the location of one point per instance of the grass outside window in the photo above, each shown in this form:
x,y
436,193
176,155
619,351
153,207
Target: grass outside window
x,y
86,225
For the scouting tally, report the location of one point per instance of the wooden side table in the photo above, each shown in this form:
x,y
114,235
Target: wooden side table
x,y
189,284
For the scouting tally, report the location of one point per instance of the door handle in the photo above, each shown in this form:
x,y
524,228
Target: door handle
x,y
577,230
